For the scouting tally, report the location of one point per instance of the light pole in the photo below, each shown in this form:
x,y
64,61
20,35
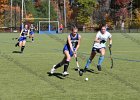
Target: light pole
x,y
49,17
22,25
11,14
65,16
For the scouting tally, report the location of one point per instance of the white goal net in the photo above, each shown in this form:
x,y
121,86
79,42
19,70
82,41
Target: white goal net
x,y
49,27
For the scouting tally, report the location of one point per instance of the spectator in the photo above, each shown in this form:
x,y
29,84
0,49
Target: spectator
x,y
61,27
84,28
122,26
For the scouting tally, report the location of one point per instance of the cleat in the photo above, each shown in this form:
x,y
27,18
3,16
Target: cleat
x,y
53,69
99,67
65,73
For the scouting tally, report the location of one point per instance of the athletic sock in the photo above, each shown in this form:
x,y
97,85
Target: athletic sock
x,y
32,38
66,64
88,63
22,48
58,65
101,59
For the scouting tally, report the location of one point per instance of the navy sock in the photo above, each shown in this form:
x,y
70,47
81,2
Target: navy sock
x,y
32,38
58,65
66,64
22,48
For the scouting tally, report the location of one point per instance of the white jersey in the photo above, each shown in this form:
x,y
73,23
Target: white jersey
x,y
101,37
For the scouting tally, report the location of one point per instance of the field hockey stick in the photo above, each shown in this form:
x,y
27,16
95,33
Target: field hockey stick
x,y
77,63
111,57
80,72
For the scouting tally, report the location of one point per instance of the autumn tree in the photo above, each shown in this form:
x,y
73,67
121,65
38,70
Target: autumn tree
x,y
120,11
137,17
3,8
123,6
83,11
102,11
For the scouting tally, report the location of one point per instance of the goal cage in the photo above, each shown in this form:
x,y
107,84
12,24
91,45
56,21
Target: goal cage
x,y
48,27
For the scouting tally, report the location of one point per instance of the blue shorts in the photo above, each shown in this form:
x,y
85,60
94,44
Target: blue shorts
x,y
67,48
31,32
22,39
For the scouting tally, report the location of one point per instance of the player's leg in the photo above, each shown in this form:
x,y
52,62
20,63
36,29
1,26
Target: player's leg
x,y
66,63
20,43
101,58
23,45
17,44
58,65
92,55
30,35
33,37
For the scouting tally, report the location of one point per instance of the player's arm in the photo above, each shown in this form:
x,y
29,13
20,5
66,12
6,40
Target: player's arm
x,y
78,45
97,40
70,44
110,42
28,32
21,32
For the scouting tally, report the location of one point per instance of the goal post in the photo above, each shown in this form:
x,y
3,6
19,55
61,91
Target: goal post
x,y
49,27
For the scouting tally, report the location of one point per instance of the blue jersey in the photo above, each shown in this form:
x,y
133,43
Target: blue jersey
x,y
32,29
74,40
23,35
24,32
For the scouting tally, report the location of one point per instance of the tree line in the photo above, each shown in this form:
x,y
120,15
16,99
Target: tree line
x,y
90,13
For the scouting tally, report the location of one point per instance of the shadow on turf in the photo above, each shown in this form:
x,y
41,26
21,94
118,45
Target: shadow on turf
x,y
58,75
16,52
88,70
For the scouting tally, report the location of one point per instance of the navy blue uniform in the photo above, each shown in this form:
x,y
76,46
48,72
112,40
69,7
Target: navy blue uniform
x,y
32,30
74,41
23,35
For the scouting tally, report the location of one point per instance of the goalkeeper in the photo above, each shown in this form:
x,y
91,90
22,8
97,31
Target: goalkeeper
x,y
99,46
